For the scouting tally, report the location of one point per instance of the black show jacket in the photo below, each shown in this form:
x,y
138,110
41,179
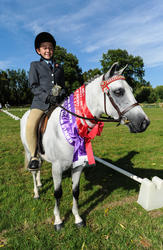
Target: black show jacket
x,y
42,80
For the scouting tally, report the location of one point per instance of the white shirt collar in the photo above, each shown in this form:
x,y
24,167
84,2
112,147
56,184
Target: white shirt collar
x,y
48,61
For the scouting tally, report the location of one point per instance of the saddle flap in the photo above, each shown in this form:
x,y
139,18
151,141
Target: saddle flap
x,y
42,127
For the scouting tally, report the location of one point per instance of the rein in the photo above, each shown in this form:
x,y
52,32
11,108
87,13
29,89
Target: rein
x,y
102,119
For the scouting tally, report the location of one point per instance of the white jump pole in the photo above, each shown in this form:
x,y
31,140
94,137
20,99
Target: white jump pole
x,y
11,115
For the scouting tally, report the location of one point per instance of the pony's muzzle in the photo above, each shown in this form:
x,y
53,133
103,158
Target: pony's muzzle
x,y
139,126
144,124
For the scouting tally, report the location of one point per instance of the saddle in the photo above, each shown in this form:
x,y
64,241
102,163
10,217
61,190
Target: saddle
x,y
41,129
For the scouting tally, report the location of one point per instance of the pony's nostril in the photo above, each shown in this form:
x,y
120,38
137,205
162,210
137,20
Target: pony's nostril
x,y
145,123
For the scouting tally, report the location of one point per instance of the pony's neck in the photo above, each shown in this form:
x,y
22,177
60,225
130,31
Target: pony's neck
x,y
94,97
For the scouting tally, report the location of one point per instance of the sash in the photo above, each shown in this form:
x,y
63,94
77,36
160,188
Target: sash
x,y
76,131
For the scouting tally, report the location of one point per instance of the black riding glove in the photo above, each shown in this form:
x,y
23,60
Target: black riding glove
x,y
62,94
53,100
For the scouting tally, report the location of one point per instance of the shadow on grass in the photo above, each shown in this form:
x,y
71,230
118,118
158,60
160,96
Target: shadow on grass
x,y
46,185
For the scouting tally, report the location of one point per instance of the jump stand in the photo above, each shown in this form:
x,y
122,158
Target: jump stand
x,y
151,192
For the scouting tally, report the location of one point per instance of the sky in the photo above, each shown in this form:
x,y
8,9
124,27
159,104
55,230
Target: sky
x,y
85,28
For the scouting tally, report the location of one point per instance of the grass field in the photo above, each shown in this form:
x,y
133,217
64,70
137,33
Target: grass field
x,y
107,201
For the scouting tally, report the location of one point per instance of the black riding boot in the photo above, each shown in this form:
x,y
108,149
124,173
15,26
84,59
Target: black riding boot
x,y
34,164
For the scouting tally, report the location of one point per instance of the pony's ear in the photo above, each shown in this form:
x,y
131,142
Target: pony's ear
x,y
111,71
120,72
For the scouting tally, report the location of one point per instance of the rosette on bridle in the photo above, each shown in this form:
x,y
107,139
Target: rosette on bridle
x,y
105,84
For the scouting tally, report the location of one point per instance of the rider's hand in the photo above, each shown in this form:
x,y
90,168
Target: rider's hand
x,y
62,93
52,99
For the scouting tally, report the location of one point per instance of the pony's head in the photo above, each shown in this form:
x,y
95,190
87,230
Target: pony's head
x,y
119,101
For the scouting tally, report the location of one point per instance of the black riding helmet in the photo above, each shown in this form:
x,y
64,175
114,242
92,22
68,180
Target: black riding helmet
x,y
44,37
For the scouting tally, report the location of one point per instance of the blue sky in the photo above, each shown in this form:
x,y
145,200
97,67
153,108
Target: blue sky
x,y
85,28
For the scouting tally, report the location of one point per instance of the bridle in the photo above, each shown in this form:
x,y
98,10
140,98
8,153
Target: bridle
x,y
121,114
105,88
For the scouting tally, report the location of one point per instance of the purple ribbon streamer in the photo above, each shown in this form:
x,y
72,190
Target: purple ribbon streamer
x,y
70,130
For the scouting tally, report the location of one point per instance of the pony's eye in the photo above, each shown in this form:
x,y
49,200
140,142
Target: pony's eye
x,y
119,92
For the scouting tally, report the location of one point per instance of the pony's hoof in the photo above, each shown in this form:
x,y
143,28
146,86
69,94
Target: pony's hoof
x,y
58,227
36,198
80,224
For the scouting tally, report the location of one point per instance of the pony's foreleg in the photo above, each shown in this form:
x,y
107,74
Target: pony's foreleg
x,y
38,179
37,182
57,178
35,174
36,190
75,189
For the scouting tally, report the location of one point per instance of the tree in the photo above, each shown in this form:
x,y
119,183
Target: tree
x,y
134,73
72,71
19,90
153,96
146,94
14,87
4,87
159,92
87,75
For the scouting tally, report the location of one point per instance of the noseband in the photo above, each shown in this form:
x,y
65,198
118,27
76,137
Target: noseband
x,y
105,89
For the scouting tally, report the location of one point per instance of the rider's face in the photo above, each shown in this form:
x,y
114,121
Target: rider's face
x,y
46,50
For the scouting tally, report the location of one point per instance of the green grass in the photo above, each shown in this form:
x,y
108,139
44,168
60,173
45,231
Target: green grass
x,y
107,201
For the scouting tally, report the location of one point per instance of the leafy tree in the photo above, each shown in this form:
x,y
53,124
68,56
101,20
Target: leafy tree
x,y
72,71
14,87
19,89
159,92
153,96
24,93
134,73
146,94
91,73
4,87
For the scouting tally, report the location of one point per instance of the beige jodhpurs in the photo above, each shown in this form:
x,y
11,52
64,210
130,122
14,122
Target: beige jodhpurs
x,y
31,129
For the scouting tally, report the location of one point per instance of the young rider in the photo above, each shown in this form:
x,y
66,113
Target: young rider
x,y
43,76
